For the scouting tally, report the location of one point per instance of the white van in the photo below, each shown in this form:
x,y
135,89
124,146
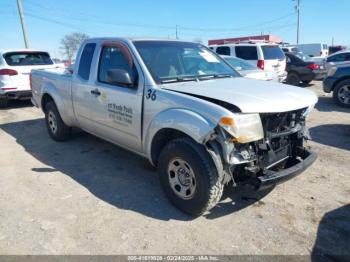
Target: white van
x,y
265,55
314,50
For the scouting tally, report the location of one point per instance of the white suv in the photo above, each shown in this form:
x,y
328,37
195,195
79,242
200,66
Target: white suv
x,y
266,56
15,67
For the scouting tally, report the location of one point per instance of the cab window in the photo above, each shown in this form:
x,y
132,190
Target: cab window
x,y
113,57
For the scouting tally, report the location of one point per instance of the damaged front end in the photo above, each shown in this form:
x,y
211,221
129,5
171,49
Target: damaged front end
x,y
278,156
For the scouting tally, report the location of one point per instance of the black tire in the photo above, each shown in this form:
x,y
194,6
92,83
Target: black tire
x,y
293,79
208,185
338,91
306,82
3,102
61,132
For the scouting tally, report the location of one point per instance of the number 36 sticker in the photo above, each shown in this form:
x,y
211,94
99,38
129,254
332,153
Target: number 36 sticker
x,y
151,94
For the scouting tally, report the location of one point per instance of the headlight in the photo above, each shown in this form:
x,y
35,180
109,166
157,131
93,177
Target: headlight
x,y
307,111
243,127
331,71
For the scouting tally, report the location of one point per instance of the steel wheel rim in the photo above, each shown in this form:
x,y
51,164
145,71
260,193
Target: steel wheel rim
x,y
181,178
344,94
51,119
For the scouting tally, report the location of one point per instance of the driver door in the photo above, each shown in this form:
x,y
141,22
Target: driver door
x,y
117,109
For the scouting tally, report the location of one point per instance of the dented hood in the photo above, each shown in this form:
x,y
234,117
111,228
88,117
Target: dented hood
x,y
249,95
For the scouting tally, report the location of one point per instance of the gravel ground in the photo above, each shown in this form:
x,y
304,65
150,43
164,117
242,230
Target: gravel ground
x,y
87,196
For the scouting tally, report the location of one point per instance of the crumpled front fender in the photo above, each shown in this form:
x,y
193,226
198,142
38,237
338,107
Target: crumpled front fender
x,y
186,121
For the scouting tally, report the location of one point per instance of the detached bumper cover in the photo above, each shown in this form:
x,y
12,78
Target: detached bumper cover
x,y
270,177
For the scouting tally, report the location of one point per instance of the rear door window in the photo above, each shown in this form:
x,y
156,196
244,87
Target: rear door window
x,y
247,52
272,52
85,61
27,58
339,58
223,50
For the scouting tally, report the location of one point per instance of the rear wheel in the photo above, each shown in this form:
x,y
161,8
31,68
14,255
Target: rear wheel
x,y
58,130
189,176
293,79
3,102
341,93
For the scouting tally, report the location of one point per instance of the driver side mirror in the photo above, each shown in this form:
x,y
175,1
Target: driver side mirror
x,y
120,77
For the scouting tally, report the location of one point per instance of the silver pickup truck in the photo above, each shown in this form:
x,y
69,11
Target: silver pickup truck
x,y
185,109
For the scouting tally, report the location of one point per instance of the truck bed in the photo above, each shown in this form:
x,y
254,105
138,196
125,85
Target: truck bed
x,y
57,82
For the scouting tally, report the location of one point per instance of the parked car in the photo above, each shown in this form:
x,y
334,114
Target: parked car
x,y
338,82
197,120
290,49
15,66
339,58
314,50
248,70
302,71
266,56
334,49
320,61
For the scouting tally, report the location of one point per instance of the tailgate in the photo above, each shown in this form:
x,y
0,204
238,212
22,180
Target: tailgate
x,y
21,80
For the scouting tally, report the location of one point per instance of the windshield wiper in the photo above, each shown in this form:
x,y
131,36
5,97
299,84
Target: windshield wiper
x,y
211,76
194,78
178,79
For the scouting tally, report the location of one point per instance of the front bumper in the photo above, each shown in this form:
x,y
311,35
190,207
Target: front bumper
x,y
21,95
270,178
328,84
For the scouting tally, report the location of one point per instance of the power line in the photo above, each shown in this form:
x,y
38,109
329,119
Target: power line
x,y
244,28
72,16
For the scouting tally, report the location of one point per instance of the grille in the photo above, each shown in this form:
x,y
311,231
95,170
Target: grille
x,y
277,123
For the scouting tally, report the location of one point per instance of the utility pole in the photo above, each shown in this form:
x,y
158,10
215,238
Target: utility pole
x,y
24,31
297,7
177,37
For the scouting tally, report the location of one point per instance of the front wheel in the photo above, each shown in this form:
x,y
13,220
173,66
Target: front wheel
x,y
341,93
58,130
189,176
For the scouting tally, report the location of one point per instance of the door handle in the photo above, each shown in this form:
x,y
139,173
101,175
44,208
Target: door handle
x,y
95,92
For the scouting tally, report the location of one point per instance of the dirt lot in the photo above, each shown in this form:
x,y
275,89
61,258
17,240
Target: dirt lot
x,y
87,196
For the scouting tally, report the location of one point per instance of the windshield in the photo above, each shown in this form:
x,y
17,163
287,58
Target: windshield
x,y
172,61
272,52
27,58
240,64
